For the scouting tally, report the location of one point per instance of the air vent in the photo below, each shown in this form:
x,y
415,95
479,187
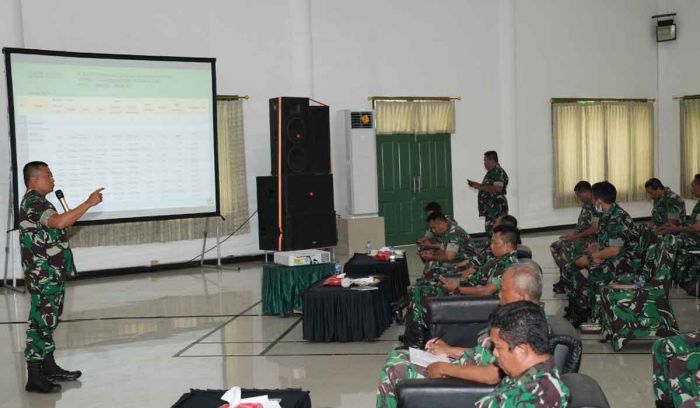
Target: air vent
x,y
361,120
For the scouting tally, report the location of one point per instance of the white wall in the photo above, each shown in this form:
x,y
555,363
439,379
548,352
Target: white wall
x,y
569,48
506,59
10,36
678,75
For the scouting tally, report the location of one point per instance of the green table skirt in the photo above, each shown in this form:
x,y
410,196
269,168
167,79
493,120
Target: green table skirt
x,y
283,286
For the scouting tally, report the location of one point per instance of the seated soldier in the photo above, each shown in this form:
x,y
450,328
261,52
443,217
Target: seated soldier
x,y
570,247
483,254
675,365
487,281
520,282
615,254
688,240
520,336
455,246
428,240
669,207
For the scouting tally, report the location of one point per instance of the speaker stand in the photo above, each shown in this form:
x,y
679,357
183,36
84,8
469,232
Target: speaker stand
x,y
8,235
219,227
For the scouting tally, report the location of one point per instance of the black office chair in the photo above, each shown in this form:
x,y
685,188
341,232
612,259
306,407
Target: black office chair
x,y
451,392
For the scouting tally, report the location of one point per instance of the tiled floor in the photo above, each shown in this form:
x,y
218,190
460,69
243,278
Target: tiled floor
x,y
143,340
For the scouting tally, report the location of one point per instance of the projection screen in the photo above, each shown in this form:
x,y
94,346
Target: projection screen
x,y
142,127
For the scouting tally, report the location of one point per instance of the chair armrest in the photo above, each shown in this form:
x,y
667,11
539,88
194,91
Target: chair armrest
x,y
440,393
585,392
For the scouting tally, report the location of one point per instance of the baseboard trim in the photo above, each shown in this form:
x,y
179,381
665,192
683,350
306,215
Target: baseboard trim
x,y
155,268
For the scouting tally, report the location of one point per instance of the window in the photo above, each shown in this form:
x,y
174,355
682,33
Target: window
x,y
690,142
598,140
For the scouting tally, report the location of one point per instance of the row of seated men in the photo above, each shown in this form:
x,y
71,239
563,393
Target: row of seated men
x,y
448,249
610,265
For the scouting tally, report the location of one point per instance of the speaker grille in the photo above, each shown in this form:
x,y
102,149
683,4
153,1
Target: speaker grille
x,y
361,120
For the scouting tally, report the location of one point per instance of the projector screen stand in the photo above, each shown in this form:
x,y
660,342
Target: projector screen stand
x,y
8,235
219,227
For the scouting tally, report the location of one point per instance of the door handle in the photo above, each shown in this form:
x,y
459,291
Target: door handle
x,y
420,184
413,184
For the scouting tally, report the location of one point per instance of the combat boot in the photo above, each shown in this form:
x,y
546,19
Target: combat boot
x,y
55,373
37,381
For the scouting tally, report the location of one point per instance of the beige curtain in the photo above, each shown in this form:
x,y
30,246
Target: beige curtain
x,y
232,194
690,144
598,141
415,117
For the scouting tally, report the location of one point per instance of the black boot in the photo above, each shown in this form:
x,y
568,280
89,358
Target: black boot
x,y
37,381
663,404
56,373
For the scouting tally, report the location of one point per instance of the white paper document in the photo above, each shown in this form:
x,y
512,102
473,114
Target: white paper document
x,y
423,358
233,397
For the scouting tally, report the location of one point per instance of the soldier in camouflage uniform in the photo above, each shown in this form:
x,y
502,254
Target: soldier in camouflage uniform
x,y
455,246
520,282
487,280
616,254
687,265
669,207
568,248
521,346
630,311
47,262
492,201
429,240
676,362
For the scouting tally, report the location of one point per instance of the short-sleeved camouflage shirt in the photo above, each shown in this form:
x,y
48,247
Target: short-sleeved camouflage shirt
x,y
616,229
694,217
538,387
45,250
492,271
587,217
457,240
670,206
494,204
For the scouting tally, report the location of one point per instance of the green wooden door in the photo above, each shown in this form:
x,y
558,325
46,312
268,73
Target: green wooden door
x,y
412,171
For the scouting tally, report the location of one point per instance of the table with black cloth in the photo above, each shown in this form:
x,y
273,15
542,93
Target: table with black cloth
x,y
290,398
334,313
282,286
396,272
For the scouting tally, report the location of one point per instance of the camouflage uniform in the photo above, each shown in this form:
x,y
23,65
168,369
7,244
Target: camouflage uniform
x,y
688,265
565,253
398,367
646,311
493,205
538,387
492,272
429,233
670,206
47,261
455,239
676,362
615,229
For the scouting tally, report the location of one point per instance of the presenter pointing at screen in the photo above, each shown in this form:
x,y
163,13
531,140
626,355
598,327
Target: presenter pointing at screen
x,y
47,261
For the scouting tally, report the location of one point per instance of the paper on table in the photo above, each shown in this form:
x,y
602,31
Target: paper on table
x,y
233,397
423,358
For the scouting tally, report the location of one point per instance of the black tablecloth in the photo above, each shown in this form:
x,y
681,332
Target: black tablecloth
x,y
291,398
333,313
396,272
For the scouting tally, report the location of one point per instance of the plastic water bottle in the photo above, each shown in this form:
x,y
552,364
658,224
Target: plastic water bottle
x,y
640,282
337,268
392,254
368,248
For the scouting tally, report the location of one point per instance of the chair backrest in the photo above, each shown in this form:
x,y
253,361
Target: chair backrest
x,y
566,351
585,392
458,320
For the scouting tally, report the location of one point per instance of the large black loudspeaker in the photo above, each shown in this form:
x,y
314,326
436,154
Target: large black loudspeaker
x,y
295,204
299,137
305,209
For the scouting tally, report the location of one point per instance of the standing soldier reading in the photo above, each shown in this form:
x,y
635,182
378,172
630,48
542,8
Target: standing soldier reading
x,y
492,200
